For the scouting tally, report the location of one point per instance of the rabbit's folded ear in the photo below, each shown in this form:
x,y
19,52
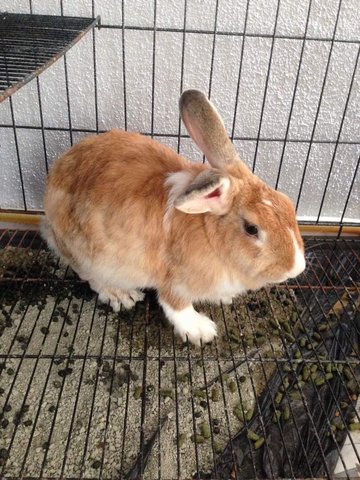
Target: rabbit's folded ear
x,y
210,191
207,129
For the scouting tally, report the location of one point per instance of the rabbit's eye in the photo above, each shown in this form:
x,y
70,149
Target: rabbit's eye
x,y
251,229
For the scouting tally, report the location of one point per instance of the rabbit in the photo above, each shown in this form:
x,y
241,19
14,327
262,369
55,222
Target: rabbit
x,y
128,213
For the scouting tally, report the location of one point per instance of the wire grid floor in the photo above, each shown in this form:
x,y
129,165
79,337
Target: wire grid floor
x,y
86,393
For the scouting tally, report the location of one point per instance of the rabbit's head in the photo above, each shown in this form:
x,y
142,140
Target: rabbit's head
x,y
250,224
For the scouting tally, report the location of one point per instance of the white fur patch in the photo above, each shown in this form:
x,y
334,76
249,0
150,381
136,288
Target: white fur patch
x,y
188,323
177,183
299,260
267,202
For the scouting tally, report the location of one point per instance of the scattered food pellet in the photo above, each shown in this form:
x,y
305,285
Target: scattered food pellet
x,y
215,394
259,443
4,423
252,436
44,330
138,392
166,392
205,430
96,464
4,455
181,439
232,386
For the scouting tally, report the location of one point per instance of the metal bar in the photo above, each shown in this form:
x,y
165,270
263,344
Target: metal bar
x,y
239,73
338,136
294,95
231,34
318,106
176,135
266,85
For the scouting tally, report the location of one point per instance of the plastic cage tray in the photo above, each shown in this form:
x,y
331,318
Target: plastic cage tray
x,y
31,43
89,393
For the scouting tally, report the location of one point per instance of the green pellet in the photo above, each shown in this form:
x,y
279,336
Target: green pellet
x,y
138,392
297,354
343,405
278,398
289,337
181,439
234,336
286,382
322,327
249,342
354,426
215,394
259,332
348,374
302,328
239,414
205,430
328,368
274,323
217,448
340,368
286,413
299,384
275,332
277,416
167,392
251,435
294,317
260,340
317,336
353,386
319,381
329,376
339,425
184,377
287,368
259,443
313,376
232,386
305,373
197,438
198,393
313,368
295,396
286,327
249,415
312,345
302,342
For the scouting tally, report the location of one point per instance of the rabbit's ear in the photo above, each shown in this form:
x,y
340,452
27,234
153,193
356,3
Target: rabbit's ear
x,y
210,191
207,129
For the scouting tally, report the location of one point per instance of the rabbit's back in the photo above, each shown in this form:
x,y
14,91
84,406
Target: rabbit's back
x,y
105,203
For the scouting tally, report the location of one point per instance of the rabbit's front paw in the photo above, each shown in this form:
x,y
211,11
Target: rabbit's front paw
x,y
118,297
191,325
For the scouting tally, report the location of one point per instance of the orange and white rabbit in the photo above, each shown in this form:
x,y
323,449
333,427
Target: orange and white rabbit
x,y
128,213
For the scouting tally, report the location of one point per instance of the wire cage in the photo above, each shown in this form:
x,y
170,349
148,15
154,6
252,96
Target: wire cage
x,y
89,393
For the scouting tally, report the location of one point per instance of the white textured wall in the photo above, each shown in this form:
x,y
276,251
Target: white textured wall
x,y
198,50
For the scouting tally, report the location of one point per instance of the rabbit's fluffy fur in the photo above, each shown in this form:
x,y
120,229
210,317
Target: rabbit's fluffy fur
x,y
128,213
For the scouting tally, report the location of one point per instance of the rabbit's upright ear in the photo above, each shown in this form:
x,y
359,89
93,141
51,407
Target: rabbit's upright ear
x,y
210,191
207,129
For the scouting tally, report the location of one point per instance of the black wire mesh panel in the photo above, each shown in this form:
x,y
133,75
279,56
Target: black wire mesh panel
x,y
86,393
31,43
